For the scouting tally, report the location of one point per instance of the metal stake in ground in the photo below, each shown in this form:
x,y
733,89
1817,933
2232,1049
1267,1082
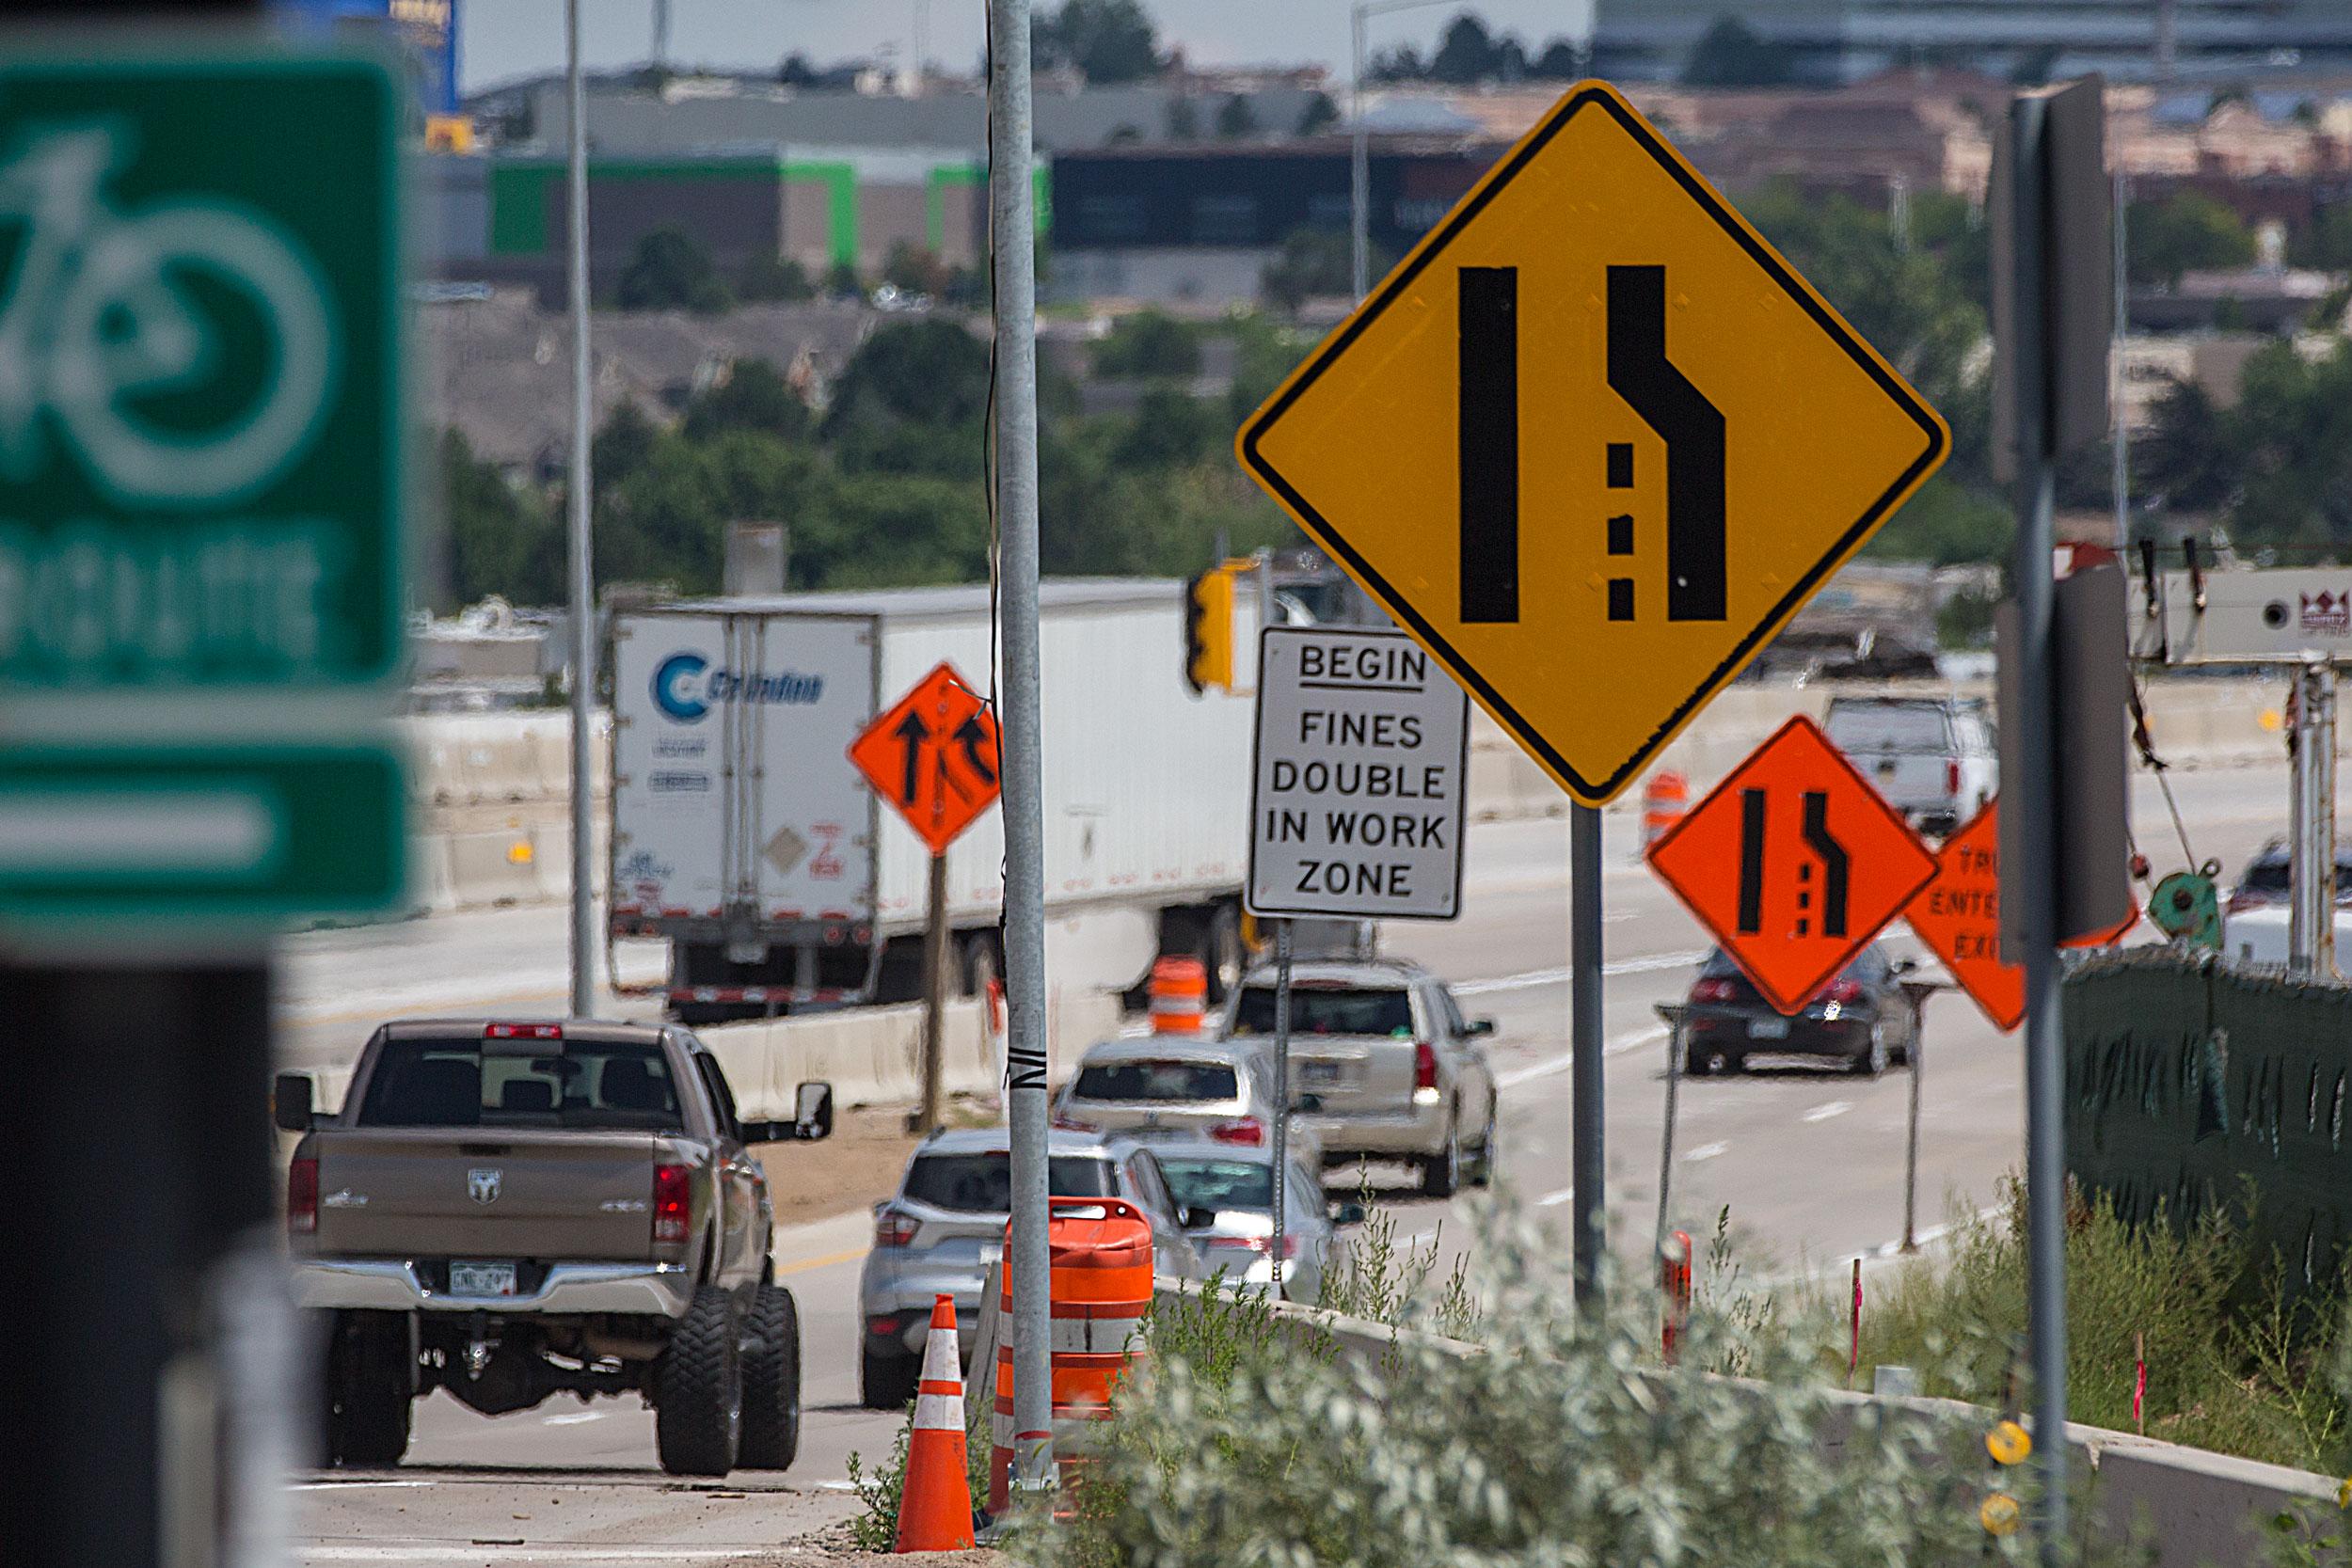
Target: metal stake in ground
x,y
1672,1013
1586,1166
1282,1090
1012,229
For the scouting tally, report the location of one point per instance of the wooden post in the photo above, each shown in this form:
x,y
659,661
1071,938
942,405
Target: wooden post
x,y
934,997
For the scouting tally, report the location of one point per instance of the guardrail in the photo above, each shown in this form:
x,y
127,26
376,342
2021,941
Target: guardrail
x,y
2198,1507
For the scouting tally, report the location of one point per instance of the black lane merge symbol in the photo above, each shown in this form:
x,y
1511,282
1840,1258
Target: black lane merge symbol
x,y
1640,373
916,735
1836,865
1490,443
973,737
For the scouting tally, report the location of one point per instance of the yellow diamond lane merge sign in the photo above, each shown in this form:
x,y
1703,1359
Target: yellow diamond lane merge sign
x,y
1593,442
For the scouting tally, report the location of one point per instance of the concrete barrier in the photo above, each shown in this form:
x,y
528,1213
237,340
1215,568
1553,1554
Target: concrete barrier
x,y
2197,1507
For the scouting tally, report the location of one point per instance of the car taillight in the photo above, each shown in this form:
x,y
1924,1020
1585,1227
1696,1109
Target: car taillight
x,y
2243,899
1247,1130
302,1197
1424,1066
522,1031
1260,1244
893,1229
672,1202
1951,777
1710,991
1842,991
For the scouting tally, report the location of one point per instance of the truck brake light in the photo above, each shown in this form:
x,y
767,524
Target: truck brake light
x,y
522,1031
302,1197
670,1204
1951,779
1424,1066
1248,1130
894,1229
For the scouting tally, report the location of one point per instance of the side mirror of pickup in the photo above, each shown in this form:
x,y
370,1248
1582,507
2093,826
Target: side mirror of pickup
x,y
812,1112
289,1102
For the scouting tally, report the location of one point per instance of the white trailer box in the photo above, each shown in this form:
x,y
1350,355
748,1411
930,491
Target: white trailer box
x,y
742,833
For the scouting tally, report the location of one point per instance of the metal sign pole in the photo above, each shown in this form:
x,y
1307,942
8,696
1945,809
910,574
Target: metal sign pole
x,y
934,996
1012,230
1586,1164
2311,913
1911,1142
583,587
2034,796
1282,1089
1673,1015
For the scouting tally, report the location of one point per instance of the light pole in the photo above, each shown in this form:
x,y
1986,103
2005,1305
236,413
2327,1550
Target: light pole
x,y
1359,181
583,606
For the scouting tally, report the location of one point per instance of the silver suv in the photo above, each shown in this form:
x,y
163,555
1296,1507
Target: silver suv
x,y
945,1227
1157,1086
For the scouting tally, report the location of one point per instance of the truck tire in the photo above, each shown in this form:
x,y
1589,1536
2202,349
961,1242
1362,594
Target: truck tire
x,y
1441,1172
886,1380
771,1382
698,1413
369,1386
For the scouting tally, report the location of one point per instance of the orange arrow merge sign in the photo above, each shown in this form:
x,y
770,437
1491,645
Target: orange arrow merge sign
x,y
1794,863
933,756
1593,442
1959,917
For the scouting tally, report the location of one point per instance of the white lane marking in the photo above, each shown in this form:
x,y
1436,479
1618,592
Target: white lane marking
x,y
1707,1151
574,1419
1633,1039
350,1485
507,1550
1822,1112
1528,979
1553,1201
836,1486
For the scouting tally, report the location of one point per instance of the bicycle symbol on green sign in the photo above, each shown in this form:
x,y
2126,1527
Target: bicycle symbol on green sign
x,y
98,322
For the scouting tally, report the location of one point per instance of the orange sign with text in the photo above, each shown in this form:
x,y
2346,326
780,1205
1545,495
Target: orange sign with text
x,y
1794,863
933,756
1959,917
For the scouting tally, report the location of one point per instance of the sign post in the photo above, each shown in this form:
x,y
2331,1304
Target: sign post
x,y
1718,441
932,754
1359,784
201,584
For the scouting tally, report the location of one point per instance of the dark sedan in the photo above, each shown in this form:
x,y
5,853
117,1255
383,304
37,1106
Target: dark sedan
x,y
1863,1018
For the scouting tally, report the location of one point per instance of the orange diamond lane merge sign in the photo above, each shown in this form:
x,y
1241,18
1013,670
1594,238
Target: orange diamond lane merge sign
x,y
1794,863
1593,442
1959,917
933,756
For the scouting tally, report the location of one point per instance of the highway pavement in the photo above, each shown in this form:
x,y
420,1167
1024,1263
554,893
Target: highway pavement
x,y
1808,1163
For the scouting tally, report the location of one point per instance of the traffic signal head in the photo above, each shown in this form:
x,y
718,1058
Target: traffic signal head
x,y
1209,630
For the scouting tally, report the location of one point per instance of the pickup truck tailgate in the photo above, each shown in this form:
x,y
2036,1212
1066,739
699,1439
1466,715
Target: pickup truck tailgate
x,y
491,1193
1372,1072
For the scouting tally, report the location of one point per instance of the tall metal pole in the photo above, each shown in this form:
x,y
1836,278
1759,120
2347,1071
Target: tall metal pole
x,y
2121,481
2035,797
2310,913
1012,230
583,610
1360,164
1281,1092
1587,1170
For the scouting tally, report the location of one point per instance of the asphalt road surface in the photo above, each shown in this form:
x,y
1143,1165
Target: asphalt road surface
x,y
1808,1162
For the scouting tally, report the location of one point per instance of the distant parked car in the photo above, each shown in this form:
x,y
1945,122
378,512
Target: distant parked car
x,y
1863,1018
1931,757
1151,1086
1398,1072
945,1226
1233,1190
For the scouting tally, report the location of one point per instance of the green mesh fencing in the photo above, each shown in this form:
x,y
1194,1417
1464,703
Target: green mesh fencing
x,y
2190,1084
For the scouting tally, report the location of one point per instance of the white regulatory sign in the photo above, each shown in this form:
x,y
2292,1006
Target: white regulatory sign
x,y
1358,779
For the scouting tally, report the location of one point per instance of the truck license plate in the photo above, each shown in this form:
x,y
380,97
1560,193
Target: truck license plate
x,y
1319,1072
1768,1029
481,1279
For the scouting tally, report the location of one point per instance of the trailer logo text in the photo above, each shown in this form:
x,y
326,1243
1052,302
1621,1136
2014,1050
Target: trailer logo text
x,y
685,686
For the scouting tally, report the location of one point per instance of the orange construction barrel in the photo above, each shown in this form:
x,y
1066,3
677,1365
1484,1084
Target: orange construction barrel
x,y
1180,996
1665,799
1100,1250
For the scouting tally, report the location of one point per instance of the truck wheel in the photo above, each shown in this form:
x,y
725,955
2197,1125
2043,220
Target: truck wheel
x,y
1442,1172
771,1382
1483,1172
698,1415
886,1381
370,1387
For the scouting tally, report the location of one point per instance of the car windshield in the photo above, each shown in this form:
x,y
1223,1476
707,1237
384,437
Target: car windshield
x,y
449,1083
1219,1183
982,1183
1329,1010
1155,1081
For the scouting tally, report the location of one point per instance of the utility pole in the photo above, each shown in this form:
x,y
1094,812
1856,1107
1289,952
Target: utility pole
x,y
1359,164
1013,228
2311,912
584,596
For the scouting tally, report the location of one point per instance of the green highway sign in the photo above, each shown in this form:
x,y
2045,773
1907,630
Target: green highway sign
x,y
202,486
228,831
200,393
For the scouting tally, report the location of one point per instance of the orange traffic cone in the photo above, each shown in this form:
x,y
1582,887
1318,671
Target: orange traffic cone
x,y
935,1505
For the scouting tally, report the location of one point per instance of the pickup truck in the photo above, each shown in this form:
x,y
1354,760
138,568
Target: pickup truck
x,y
1931,757
1384,1066
512,1210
